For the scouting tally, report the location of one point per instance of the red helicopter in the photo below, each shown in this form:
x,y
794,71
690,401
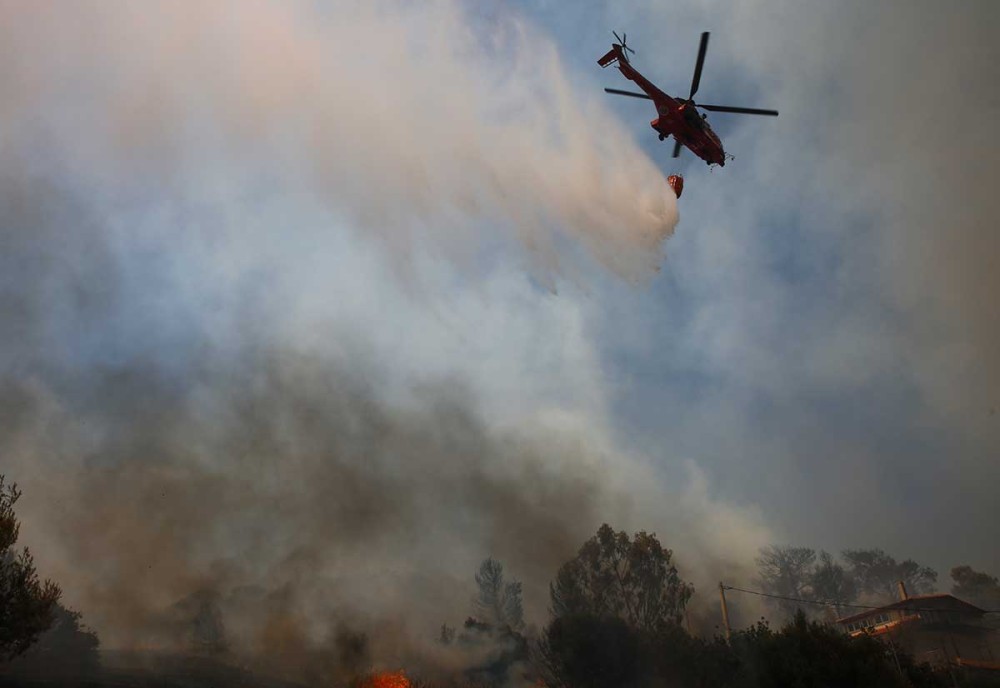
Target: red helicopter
x,y
677,117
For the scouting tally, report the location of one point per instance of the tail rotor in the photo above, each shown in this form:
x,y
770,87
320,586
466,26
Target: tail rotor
x,y
621,41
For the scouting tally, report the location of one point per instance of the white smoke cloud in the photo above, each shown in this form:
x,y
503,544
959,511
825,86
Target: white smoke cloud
x,y
409,119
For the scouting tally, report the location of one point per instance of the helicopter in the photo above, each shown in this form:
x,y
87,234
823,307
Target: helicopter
x,y
677,117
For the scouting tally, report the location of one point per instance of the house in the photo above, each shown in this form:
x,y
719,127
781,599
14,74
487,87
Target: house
x,y
939,629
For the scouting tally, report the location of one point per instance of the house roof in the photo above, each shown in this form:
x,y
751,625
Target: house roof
x,y
916,603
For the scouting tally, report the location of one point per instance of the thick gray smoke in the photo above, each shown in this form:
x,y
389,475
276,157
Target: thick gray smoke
x,y
284,473
213,380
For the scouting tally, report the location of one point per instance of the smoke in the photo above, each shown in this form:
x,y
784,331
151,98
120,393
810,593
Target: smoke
x,y
934,172
267,340
286,474
920,175
310,505
904,168
406,120
838,303
931,175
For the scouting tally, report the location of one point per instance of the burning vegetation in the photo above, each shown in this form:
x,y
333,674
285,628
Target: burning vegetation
x,y
393,679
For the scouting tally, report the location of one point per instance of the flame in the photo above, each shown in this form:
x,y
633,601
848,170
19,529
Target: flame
x,y
396,679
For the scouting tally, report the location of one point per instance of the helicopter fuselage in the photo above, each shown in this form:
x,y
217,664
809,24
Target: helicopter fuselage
x,y
676,117
691,129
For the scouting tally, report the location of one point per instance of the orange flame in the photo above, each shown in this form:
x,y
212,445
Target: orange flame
x,y
395,679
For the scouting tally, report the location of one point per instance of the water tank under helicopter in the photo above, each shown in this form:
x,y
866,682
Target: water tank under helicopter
x,y
676,183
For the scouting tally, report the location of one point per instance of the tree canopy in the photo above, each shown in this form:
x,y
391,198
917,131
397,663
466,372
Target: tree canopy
x,y
976,587
27,605
498,601
629,578
831,582
788,572
876,574
798,573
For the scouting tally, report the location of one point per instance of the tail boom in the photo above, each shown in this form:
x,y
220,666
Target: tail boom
x,y
612,56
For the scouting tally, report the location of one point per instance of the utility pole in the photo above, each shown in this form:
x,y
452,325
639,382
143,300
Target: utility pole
x,y
725,609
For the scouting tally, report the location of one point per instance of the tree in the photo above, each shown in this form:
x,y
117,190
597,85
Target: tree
x,y
587,651
496,655
498,602
679,659
787,572
27,605
978,588
67,647
876,574
495,650
830,582
629,578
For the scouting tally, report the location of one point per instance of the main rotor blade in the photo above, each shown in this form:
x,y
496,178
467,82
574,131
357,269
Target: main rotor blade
x,y
738,110
677,148
627,93
699,64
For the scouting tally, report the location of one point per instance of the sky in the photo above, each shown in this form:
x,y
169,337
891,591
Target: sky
x,y
329,301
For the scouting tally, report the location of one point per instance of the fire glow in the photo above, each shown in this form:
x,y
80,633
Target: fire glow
x,y
395,679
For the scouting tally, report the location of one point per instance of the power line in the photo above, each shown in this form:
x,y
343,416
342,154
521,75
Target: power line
x,y
834,603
